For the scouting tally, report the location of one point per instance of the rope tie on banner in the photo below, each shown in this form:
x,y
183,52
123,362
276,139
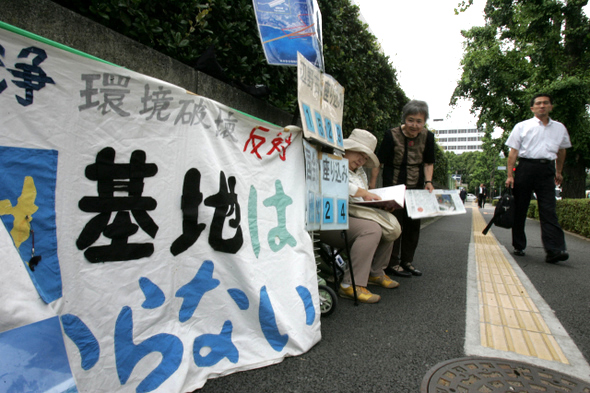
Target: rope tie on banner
x,y
35,259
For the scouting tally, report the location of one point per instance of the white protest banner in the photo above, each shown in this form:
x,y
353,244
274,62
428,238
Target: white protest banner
x,y
321,105
165,230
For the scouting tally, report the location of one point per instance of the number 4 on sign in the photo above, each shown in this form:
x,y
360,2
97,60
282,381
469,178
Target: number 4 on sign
x,y
342,211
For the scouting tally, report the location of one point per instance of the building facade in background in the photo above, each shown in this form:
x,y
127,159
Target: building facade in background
x,y
457,138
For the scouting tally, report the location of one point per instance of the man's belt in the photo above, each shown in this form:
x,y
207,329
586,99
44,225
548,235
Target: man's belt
x,y
537,160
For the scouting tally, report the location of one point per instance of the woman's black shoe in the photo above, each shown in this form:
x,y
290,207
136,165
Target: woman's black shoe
x,y
411,269
397,270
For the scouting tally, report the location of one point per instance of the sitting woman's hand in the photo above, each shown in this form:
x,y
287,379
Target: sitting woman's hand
x,y
366,195
371,197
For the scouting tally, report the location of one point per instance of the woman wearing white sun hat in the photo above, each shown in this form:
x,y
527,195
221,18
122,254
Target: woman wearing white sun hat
x,y
369,251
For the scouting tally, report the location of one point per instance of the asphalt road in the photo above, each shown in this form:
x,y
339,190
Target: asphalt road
x,y
391,346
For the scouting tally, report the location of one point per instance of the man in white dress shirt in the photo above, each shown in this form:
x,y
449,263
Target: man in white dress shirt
x,y
539,144
482,194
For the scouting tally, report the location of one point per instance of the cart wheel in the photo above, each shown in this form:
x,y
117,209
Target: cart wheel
x,y
328,300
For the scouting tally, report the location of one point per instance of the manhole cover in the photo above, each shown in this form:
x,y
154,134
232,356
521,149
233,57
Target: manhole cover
x,y
489,375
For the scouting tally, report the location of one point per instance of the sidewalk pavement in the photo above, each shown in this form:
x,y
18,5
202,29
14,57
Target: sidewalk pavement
x,y
563,286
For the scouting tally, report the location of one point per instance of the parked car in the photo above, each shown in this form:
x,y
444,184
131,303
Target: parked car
x,y
471,198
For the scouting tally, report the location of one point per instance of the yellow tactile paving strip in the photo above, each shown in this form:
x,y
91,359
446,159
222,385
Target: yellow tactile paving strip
x,y
508,318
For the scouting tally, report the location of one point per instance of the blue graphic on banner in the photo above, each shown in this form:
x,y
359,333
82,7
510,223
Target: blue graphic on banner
x,y
287,27
154,297
128,353
81,335
34,359
27,209
308,302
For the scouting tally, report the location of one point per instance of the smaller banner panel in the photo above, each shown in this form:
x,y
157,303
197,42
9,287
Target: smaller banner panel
x,y
321,105
288,27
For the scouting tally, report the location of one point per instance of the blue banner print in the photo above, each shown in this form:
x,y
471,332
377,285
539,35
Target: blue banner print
x,y
27,209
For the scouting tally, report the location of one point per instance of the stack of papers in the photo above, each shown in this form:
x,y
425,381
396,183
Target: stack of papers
x,y
422,203
419,203
391,198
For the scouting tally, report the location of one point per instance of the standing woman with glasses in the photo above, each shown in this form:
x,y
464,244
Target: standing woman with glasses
x,y
407,157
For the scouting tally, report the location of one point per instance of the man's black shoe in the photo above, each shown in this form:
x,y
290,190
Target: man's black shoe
x,y
556,256
518,252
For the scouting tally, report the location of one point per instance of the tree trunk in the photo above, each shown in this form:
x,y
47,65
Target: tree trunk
x,y
574,179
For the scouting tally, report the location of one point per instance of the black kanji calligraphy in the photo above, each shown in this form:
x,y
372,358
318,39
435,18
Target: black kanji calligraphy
x,y
30,77
191,199
226,204
113,177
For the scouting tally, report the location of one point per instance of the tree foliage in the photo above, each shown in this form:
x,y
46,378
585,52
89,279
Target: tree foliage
x,y
184,29
465,165
373,98
526,47
476,167
440,176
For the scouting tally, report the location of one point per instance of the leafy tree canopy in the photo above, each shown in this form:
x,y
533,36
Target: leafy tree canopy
x,y
441,168
526,47
373,99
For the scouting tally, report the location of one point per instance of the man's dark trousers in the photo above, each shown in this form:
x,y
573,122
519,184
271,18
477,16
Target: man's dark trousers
x,y
536,176
481,199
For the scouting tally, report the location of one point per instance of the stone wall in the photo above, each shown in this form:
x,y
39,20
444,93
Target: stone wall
x,y
54,22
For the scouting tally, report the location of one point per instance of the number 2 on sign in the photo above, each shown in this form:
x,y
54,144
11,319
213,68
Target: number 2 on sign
x,y
328,213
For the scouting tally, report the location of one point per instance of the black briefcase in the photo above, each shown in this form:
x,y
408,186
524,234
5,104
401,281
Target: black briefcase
x,y
504,213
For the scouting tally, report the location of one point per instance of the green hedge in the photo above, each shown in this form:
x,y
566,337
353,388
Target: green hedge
x,y
574,215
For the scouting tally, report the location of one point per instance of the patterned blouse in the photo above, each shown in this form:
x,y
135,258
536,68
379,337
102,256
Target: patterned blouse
x,y
357,179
